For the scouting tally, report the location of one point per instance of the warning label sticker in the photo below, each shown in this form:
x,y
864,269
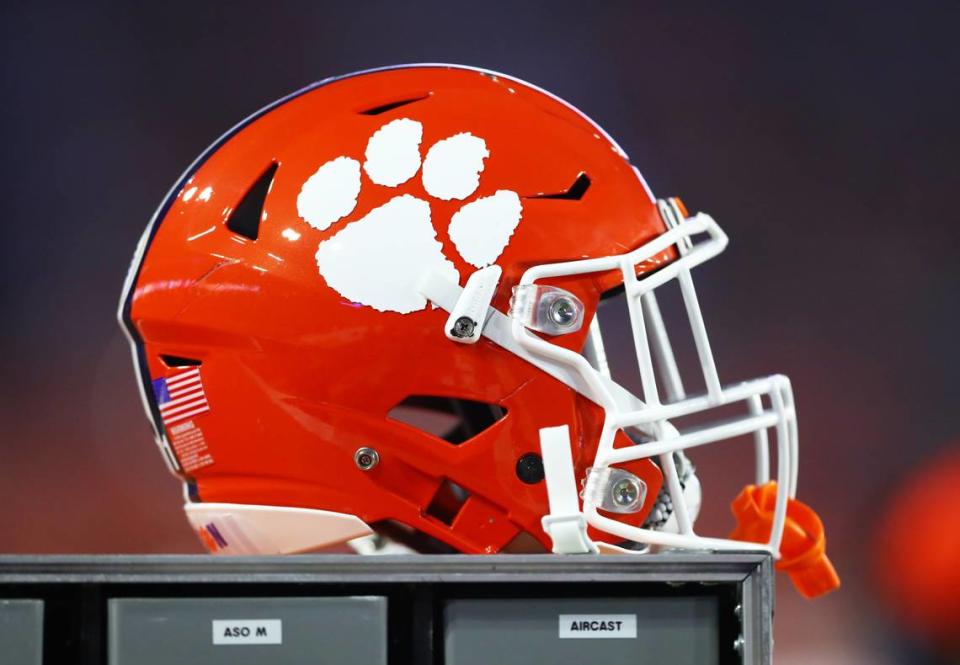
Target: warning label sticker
x,y
190,446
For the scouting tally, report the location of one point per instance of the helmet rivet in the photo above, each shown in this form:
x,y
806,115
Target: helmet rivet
x,y
563,312
625,492
366,458
463,327
530,468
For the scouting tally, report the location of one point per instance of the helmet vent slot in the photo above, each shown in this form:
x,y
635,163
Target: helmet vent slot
x,y
179,361
449,418
447,502
574,192
247,215
389,106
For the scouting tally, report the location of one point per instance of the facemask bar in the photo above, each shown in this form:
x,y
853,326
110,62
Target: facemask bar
x,y
651,417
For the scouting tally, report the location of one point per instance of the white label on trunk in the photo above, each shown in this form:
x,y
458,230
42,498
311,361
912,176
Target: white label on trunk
x,y
598,626
248,631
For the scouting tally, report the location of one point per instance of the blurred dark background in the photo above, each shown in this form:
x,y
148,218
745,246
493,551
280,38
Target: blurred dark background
x,y
823,140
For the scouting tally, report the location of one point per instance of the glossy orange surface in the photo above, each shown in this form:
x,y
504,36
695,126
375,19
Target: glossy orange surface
x,y
298,378
804,547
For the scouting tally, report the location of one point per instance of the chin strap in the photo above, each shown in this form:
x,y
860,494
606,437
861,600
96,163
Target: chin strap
x,y
565,524
803,553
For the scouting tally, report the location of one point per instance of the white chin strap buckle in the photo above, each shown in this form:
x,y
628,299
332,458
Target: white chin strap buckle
x,y
468,317
565,524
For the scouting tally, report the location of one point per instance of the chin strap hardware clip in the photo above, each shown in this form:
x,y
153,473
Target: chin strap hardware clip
x,y
469,315
565,524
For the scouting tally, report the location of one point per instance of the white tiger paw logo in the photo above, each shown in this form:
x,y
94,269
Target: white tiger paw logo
x,y
379,259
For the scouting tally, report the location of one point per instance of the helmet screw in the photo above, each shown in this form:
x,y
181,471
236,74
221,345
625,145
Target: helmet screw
x,y
563,312
366,458
463,327
625,492
738,644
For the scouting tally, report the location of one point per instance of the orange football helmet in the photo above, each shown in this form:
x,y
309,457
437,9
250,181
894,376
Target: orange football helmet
x,y
372,306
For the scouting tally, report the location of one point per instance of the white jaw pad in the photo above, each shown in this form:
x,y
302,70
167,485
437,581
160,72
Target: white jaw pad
x,y
236,528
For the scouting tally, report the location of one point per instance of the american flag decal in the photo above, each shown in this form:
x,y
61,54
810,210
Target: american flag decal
x,y
180,396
